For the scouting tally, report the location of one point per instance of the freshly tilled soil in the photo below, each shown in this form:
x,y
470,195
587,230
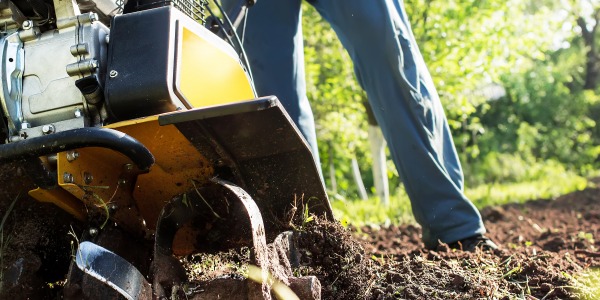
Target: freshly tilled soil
x,y
549,249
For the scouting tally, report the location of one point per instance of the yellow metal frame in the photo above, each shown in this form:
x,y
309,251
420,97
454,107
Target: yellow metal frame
x,y
207,73
62,199
177,164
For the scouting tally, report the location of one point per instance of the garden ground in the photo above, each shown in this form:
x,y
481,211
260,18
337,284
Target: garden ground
x,y
549,249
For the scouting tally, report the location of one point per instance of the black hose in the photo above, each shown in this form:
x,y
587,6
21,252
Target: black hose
x,y
79,138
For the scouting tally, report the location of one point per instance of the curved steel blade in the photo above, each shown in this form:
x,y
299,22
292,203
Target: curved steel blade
x,y
112,270
258,232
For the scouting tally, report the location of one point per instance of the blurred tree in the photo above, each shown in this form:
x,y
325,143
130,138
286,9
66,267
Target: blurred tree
x,y
544,53
587,15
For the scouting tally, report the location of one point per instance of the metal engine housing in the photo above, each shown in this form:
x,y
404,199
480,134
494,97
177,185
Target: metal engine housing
x,y
38,80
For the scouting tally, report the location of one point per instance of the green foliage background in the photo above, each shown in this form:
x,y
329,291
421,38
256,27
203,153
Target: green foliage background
x,y
511,75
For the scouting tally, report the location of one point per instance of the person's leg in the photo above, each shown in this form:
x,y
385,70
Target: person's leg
x,y
391,69
273,43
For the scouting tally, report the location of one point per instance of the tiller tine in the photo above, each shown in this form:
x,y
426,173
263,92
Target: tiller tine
x,y
238,224
265,182
255,145
231,225
112,270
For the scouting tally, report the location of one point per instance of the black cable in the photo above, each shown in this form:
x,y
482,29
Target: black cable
x,y
79,138
244,57
221,28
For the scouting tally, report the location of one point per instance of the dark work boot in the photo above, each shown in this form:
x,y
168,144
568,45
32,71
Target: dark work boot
x,y
474,242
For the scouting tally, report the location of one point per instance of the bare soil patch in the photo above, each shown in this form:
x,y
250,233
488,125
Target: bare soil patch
x,y
547,249
36,247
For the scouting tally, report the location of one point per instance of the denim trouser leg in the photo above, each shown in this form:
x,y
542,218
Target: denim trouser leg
x,y
390,68
273,43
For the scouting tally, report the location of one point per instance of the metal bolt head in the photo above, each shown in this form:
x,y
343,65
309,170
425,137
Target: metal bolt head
x,y
48,129
128,167
78,113
72,155
113,207
113,74
27,24
68,177
94,64
93,17
93,231
87,178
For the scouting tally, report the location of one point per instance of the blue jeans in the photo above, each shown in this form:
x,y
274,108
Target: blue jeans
x,y
389,66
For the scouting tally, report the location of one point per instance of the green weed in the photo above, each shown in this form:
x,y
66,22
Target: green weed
x,y
100,203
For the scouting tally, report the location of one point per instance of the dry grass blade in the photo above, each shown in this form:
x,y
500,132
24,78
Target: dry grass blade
x,y
3,242
7,213
204,200
281,290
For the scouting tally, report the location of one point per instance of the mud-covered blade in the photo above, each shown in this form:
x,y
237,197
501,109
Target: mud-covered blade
x,y
258,143
113,271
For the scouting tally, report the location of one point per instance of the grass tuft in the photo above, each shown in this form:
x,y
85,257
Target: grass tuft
x,y
587,284
518,192
371,212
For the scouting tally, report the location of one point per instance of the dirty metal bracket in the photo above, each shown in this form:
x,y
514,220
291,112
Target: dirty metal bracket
x,y
112,270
